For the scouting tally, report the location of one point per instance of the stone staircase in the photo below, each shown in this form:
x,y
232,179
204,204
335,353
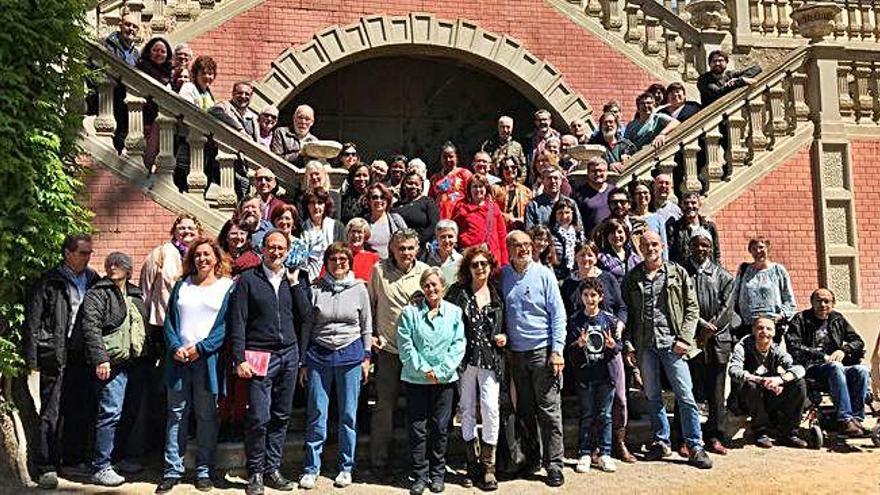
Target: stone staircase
x,y
212,203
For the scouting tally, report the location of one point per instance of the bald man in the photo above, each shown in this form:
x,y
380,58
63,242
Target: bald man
x,y
660,328
821,340
288,141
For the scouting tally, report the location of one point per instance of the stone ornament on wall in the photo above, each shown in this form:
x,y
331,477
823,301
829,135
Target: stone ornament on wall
x,y
423,34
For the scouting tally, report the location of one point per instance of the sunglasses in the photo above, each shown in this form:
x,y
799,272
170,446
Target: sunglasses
x,y
479,264
264,179
350,153
377,197
339,260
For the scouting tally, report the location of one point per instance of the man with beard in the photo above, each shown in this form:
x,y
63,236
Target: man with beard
x,y
248,216
503,145
288,141
236,114
649,127
617,149
542,133
592,197
619,206
714,287
680,232
719,81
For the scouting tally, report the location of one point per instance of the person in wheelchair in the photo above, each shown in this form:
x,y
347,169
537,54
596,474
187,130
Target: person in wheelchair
x,y
768,386
822,341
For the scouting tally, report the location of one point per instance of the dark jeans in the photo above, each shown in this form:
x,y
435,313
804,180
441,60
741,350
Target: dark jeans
x,y
132,439
773,412
48,452
848,386
595,398
539,406
710,379
387,389
270,401
77,410
429,408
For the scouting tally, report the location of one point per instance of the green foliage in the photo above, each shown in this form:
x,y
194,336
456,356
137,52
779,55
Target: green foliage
x,y
42,72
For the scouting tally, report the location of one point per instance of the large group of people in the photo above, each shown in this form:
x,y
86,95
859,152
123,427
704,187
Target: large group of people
x,y
496,286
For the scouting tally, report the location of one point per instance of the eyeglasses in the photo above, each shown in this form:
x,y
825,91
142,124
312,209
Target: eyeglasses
x,y
377,197
269,117
339,260
521,245
619,201
479,264
264,179
350,153
824,301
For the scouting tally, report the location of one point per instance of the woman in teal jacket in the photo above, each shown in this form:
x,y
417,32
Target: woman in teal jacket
x,y
431,342
194,331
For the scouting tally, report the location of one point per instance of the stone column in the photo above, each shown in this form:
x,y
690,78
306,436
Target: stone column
x,y
226,199
633,33
105,122
197,181
778,124
691,182
165,158
714,155
651,46
673,56
759,140
798,82
736,131
612,17
134,142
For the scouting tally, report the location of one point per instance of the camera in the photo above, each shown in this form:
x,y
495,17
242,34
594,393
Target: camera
x,y
595,349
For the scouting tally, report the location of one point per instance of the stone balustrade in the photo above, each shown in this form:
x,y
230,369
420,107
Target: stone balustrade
x,y
178,119
732,132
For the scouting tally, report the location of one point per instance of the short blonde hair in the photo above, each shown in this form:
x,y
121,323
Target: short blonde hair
x,y
358,223
433,270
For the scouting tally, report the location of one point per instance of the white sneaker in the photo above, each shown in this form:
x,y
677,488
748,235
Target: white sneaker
x,y
607,464
107,477
343,479
583,465
308,481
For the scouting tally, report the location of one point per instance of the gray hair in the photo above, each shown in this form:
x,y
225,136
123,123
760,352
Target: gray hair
x,y
433,270
119,260
404,235
358,223
446,225
418,166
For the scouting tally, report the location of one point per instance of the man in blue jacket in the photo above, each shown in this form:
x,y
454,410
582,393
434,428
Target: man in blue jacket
x,y
266,308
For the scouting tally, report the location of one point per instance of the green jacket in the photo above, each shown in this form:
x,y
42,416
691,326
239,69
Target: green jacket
x,y
682,311
430,344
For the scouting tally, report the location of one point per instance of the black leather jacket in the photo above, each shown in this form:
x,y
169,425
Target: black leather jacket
x,y
801,339
714,286
460,296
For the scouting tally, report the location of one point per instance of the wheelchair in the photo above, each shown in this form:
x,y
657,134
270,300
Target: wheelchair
x,y
820,415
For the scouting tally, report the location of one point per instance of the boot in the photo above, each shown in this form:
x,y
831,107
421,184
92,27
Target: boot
x,y
487,459
619,449
472,452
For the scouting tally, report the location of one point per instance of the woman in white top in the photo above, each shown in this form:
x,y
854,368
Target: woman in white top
x,y
194,331
382,223
320,227
198,92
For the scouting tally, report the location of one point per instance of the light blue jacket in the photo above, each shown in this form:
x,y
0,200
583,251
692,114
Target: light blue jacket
x,y
425,345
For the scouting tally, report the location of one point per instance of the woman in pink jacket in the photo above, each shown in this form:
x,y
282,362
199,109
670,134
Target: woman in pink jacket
x,y
480,219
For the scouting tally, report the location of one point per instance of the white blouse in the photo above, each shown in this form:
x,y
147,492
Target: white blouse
x,y
198,308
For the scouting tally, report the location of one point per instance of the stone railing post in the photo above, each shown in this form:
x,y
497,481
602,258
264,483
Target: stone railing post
x,y
691,61
165,158
206,4
866,21
134,142
754,16
778,124
769,24
673,55
226,199
846,101
691,182
633,34
594,8
783,22
864,100
667,165
159,23
736,131
612,14
714,154
651,46
197,181
739,17
105,122
798,81
758,139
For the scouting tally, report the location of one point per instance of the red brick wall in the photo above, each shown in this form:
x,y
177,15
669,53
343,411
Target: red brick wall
x,y
125,219
779,207
245,46
866,170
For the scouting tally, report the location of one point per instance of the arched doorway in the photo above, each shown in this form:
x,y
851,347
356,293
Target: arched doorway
x,y
411,105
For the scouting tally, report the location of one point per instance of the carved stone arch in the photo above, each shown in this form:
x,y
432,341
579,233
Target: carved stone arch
x,y
420,34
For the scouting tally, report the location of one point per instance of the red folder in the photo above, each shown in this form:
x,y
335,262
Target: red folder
x,y
259,361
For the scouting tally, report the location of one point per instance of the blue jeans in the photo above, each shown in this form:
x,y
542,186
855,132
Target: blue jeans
x,y
270,399
194,396
110,395
848,386
653,362
348,390
595,398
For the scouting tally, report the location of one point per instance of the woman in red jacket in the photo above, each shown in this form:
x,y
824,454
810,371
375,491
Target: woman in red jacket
x,y
480,219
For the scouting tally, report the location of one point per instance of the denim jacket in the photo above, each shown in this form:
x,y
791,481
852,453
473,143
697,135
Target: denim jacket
x,y
425,344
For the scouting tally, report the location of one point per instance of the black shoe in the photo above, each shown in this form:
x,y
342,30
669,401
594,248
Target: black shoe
x,y
437,486
700,459
417,488
794,442
255,485
554,477
204,484
275,481
166,485
763,441
658,451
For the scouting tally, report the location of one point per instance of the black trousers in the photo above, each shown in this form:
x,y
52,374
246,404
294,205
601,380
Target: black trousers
x,y
270,399
770,412
429,409
539,407
48,450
